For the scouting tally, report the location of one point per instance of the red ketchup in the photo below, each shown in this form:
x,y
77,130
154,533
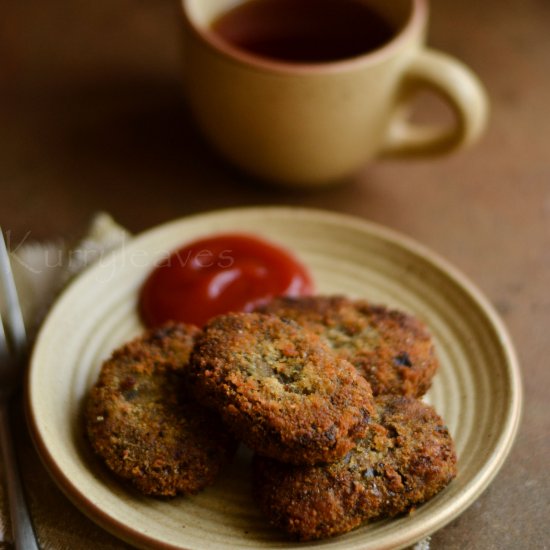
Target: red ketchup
x,y
219,274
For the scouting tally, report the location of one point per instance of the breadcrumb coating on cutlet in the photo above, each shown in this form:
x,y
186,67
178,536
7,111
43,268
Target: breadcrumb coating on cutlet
x,y
407,458
393,350
280,388
144,425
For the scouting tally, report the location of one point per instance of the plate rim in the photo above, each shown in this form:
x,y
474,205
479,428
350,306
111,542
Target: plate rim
x,y
435,260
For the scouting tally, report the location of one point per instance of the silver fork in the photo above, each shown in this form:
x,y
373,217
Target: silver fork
x,y
13,351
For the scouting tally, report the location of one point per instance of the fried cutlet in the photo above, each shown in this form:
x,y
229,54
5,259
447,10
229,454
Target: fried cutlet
x,y
407,457
393,350
280,388
142,422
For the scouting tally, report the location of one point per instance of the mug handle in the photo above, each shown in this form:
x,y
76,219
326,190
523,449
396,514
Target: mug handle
x,y
460,88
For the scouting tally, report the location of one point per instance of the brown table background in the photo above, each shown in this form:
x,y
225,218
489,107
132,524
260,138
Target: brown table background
x,y
92,118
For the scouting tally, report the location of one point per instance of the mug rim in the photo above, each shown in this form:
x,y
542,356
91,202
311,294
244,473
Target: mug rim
x,y
415,23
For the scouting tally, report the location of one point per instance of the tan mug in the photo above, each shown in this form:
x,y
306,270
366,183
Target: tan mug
x,y
309,124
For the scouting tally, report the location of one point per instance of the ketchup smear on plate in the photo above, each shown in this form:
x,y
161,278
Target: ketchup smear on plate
x,y
219,274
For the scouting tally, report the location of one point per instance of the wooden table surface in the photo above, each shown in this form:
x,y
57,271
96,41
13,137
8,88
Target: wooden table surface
x,y
92,118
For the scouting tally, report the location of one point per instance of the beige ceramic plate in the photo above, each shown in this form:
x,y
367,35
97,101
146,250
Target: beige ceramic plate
x,y
477,390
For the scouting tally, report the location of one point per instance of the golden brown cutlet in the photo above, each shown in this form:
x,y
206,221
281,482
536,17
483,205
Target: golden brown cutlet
x,y
393,350
144,425
407,457
280,388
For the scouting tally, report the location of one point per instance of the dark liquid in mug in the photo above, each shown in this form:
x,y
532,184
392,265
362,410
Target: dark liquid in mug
x,y
304,31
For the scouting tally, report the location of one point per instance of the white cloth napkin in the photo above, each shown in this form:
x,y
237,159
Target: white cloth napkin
x,y
42,270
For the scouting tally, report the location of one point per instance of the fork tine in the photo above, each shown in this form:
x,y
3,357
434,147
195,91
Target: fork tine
x,y
3,343
15,326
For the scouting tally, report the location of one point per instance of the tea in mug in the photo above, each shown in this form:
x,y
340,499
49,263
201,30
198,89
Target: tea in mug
x,y
304,31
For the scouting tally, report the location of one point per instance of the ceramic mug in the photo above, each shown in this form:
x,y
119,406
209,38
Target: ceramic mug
x,y
308,124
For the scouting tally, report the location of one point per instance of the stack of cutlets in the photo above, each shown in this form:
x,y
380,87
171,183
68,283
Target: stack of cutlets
x,y
324,390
